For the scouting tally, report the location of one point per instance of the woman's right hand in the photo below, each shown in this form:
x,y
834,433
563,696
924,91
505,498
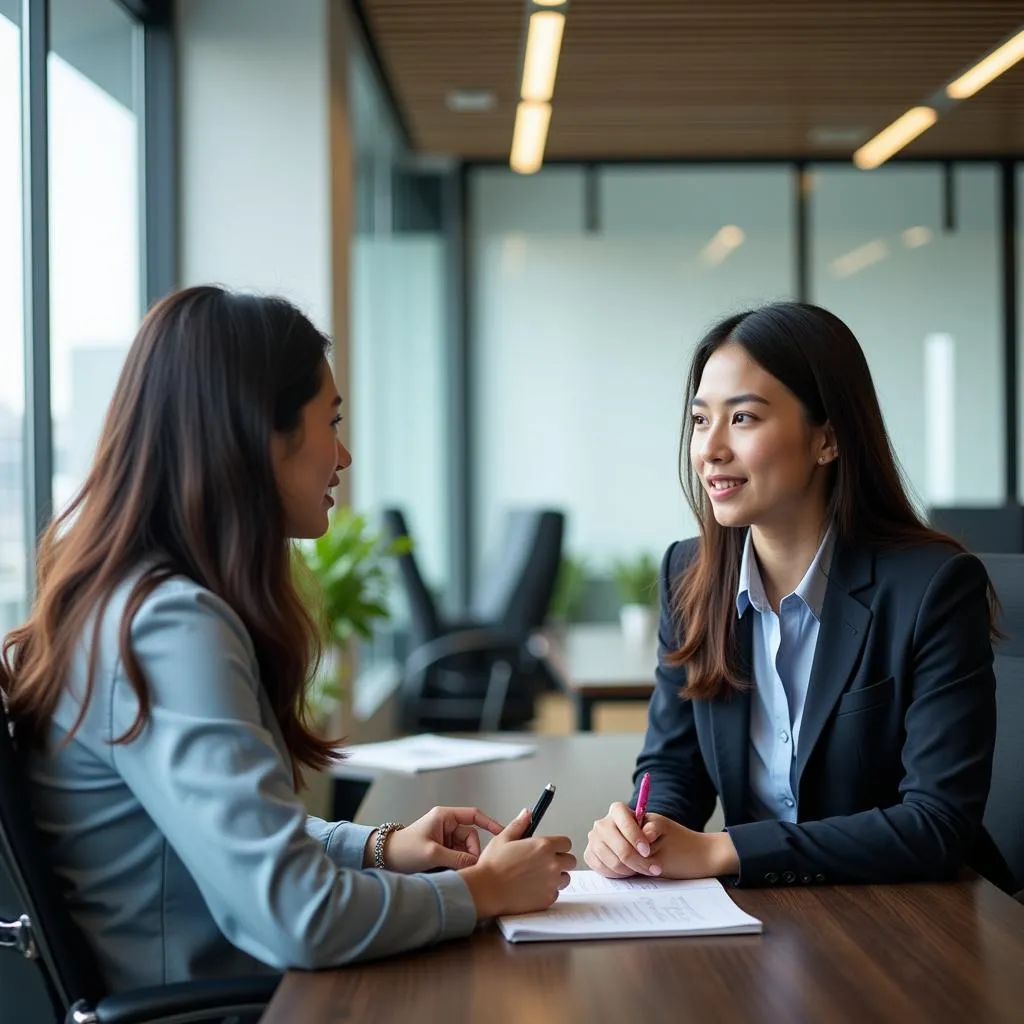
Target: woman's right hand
x,y
516,875
617,846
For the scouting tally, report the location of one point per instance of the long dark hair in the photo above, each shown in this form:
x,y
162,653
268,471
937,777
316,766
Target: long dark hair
x,y
816,356
182,483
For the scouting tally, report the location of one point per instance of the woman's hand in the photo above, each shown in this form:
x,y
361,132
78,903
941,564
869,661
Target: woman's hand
x,y
445,837
682,853
519,876
619,847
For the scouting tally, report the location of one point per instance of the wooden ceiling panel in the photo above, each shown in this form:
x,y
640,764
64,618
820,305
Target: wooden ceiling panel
x,y
704,78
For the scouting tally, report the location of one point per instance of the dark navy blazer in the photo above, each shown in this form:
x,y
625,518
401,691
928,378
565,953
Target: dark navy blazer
x,y
895,753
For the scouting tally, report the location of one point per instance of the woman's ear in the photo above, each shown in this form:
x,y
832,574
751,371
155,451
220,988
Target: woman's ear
x,y
827,450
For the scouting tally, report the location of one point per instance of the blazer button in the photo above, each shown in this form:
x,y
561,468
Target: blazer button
x,y
819,878
789,877
806,879
771,878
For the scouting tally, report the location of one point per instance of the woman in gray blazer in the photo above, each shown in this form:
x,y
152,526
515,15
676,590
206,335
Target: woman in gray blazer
x,y
159,682
825,659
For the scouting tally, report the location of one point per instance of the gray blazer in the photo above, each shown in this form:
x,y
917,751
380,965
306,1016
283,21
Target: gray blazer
x,y
186,853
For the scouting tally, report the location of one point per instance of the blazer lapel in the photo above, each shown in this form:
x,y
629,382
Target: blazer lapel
x,y
844,626
730,727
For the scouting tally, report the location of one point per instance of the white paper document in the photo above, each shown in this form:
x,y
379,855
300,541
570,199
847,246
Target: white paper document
x,y
592,907
428,752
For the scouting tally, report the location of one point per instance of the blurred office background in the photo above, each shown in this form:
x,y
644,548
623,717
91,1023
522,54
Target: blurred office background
x,y
507,340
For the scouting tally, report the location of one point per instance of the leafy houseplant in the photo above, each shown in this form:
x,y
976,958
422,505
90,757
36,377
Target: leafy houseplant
x,y
344,579
570,585
637,583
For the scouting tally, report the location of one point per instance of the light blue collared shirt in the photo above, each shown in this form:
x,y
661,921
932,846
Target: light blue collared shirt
x,y
783,650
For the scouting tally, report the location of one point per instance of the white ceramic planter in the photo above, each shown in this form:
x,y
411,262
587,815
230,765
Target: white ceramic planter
x,y
638,623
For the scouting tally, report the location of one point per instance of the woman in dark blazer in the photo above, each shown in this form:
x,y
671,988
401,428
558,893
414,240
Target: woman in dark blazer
x,y
825,659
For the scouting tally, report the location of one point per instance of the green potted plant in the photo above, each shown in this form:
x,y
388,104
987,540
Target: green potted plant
x,y
345,582
570,585
637,582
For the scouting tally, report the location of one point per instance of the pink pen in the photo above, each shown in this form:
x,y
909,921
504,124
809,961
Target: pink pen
x,y
641,800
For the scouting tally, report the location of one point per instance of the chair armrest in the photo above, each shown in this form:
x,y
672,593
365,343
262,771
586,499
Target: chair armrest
x,y
186,1001
434,653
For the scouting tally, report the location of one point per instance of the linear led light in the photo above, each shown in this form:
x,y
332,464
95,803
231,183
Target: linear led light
x,y
540,65
529,136
891,140
988,68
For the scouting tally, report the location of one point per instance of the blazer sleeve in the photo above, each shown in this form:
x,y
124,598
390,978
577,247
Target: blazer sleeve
x,y
681,787
208,773
947,754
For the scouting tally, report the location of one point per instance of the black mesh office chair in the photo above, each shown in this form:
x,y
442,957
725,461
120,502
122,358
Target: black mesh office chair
x,y
1004,814
479,673
37,929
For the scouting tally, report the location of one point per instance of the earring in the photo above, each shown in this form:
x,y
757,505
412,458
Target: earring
x,y
821,461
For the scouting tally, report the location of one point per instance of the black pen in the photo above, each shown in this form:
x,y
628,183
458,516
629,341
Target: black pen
x,y
547,794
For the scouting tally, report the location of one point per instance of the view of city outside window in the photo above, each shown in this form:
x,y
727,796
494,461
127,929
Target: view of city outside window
x,y
13,552
95,267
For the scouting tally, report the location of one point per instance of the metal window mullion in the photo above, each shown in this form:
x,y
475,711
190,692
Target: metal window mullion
x,y
155,105
38,425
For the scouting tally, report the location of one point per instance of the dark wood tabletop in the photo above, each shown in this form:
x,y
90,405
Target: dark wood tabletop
x,y
906,953
589,772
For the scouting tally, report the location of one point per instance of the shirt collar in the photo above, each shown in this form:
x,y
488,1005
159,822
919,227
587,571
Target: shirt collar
x,y
811,589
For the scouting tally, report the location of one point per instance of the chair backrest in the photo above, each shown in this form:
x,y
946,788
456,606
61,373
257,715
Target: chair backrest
x,y
426,622
998,530
518,586
68,964
1004,815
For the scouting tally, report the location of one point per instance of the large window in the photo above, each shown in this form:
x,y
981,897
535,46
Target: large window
x,y
78,80
914,270
588,298
95,266
399,338
13,552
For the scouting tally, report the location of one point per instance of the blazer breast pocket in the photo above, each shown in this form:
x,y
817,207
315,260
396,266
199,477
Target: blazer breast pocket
x,y
867,697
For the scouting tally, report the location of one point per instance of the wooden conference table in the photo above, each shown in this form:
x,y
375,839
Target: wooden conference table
x,y
906,953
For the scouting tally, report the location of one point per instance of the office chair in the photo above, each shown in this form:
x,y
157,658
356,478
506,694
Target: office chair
x,y
992,530
36,926
480,673
1004,813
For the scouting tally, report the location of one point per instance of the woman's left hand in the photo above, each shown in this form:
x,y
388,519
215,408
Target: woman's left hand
x,y
445,837
682,853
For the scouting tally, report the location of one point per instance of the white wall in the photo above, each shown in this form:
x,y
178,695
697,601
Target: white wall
x,y
255,154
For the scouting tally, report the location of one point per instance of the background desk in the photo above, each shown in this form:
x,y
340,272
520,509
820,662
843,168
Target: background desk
x,y
911,953
597,664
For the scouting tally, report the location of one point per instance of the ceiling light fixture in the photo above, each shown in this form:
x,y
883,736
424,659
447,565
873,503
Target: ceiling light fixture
x,y
545,27
990,67
540,65
529,137
919,119
891,140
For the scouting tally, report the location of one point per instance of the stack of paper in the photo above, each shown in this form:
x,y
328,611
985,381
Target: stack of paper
x,y
427,752
592,907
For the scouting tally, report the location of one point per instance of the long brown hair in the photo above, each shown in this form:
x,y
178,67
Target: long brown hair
x,y
182,484
814,354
